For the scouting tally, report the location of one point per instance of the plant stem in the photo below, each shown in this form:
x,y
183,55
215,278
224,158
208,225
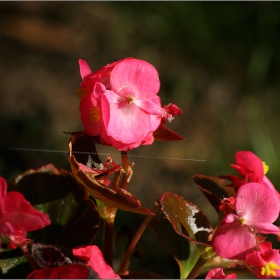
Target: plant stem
x,y
125,260
197,268
127,169
109,236
25,251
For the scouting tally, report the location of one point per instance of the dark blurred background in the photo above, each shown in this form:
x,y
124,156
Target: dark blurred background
x,y
218,61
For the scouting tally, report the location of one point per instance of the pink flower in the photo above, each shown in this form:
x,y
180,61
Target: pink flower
x,y
119,102
251,168
266,261
257,207
218,273
95,260
17,216
70,271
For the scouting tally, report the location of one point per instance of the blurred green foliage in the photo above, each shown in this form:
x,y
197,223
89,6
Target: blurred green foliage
x,y
218,61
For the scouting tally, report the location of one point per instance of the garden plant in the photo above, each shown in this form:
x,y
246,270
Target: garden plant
x,y
50,218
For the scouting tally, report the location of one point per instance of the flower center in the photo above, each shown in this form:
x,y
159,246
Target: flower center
x,y
94,114
129,99
265,167
242,221
269,269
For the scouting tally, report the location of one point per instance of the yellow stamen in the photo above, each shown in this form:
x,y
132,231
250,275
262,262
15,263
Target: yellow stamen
x,y
269,269
129,99
94,114
81,92
265,167
242,221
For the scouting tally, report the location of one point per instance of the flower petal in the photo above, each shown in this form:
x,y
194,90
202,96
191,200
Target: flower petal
x,y
138,75
233,241
125,122
257,203
84,68
149,107
3,191
21,214
98,264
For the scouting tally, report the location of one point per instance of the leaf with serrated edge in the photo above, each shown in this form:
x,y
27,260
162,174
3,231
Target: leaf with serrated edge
x,y
120,199
186,218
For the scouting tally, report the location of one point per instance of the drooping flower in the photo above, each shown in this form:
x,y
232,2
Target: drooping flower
x,y
266,261
218,273
95,260
257,207
119,102
17,215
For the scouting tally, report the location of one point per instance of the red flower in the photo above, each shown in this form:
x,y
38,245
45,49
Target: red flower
x,y
218,273
70,271
17,215
95,260
257,207
266,261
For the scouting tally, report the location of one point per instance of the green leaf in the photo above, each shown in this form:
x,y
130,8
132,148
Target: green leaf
x,y
12,262
119,198
184,252
186,218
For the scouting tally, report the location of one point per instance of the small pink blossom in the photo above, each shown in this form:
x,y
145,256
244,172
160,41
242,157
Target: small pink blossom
x,y
120,104
251,168
218,273
95,260
256,208
17,215
266,261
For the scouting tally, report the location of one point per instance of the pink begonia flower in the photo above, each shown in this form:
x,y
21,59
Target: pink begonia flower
x,y
251,168
266,261
218,273
17,214
257,207
95,260
69,271
119,102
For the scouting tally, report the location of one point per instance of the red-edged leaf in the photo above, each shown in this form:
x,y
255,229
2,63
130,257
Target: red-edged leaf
x,y
213,188
163,133
119,199
184,252
74,216
186,218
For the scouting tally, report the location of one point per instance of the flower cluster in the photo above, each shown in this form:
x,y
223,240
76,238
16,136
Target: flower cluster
x,y
119,103
249,215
